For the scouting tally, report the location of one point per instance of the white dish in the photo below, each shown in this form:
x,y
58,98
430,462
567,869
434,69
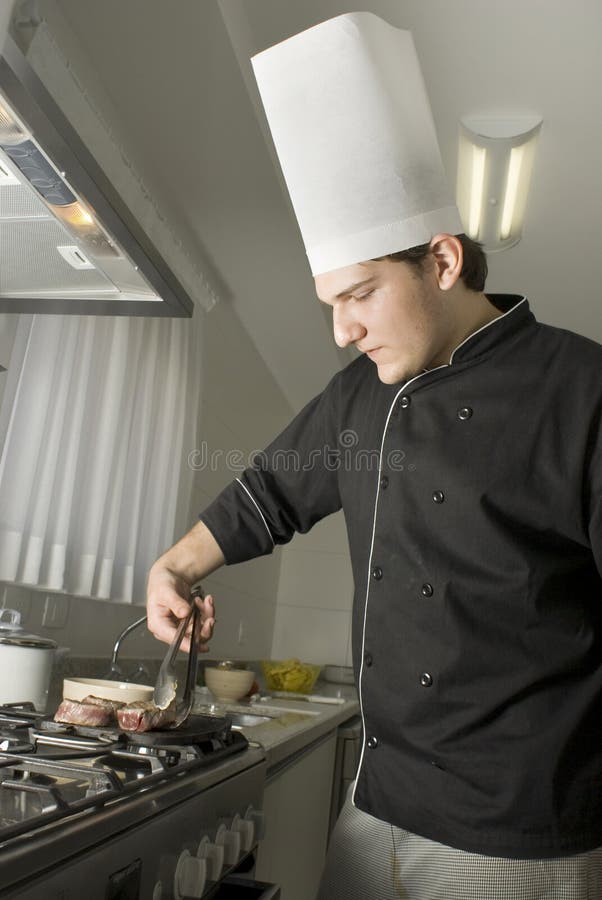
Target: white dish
x,y
124,691
338,674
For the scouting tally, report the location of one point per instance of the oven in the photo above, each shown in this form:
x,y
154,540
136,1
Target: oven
x,y
97,814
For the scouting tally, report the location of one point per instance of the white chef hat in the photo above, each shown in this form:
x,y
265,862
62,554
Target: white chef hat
x,y
353,129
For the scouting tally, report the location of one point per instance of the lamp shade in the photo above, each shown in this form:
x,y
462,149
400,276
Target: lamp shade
x,y
495,161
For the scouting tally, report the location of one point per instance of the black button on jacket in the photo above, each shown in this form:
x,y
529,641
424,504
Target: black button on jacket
x,y
512,633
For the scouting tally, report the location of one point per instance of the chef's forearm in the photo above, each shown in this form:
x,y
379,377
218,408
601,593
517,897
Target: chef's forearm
x,y
194,556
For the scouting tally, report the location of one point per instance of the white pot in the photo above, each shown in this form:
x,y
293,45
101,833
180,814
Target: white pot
x,y
25,662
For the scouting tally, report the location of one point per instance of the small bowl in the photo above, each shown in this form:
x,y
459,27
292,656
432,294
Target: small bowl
x,y
228,685
290,675
125,691
338,675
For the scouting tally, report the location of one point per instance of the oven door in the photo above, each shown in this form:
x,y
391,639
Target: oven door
x,y
236,886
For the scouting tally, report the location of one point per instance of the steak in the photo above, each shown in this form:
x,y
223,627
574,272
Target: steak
x,y
106,704
74,712
140,715
143,715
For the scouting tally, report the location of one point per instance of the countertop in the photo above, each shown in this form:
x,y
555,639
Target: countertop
x,y
295,724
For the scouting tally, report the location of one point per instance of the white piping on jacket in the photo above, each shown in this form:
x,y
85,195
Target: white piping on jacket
x,y
257,507
486,325
380,460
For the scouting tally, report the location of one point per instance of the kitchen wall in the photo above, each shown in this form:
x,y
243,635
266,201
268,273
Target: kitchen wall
x,y
315,593
242,407
296,602
8,327
262,605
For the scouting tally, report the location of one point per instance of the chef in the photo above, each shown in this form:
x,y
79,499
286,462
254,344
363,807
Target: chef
x,y
464,446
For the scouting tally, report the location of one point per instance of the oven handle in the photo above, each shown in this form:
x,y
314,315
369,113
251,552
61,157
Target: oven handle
x,y
246,887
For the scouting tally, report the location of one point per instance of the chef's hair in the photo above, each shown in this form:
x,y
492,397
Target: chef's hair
x,y
474,265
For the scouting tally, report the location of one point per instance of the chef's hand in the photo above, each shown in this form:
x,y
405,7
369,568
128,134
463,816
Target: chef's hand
x,y
168,601
194,557
207,608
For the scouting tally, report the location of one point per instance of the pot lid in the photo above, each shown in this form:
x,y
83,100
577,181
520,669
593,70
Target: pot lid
x,y
11,632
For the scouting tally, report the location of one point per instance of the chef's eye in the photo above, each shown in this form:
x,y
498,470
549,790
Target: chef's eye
x,y
364,296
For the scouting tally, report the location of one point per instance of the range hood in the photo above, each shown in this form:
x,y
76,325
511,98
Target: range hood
x,y
68,243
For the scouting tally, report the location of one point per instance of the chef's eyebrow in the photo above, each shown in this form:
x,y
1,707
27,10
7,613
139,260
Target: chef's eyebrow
x,y
351,288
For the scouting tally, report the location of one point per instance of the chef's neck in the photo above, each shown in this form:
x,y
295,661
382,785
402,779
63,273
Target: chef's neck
x,y
467,312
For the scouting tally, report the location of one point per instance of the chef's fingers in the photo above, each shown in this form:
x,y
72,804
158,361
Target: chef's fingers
x,y
206,633
205,636
207,608
167,603
163,624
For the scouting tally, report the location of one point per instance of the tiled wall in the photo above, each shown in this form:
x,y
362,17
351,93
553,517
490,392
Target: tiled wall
x,y
84,627
315,593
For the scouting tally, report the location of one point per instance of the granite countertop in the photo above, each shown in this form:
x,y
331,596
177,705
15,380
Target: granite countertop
x,y
294,724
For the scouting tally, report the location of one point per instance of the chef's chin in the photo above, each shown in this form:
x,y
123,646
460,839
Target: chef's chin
x,y
392,374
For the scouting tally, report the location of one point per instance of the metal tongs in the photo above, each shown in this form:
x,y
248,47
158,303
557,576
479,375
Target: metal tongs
x,y
167,680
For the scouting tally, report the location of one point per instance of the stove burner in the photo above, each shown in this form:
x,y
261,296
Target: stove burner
x,y
16,715
50,770
139,761
15,745
170,756
71,744
23,705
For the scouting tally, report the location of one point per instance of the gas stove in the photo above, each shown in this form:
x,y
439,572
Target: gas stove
x,y
99,813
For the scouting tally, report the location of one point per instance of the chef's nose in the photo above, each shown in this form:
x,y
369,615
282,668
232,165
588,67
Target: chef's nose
x,y
346,329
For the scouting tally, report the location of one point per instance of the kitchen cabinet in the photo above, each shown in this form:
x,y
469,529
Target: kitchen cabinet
x,y
297,810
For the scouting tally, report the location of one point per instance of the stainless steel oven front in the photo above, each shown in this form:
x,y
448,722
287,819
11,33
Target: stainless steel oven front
x,y
128,821
166,845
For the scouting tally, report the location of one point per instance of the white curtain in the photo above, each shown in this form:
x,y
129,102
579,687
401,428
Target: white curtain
x,y
97,419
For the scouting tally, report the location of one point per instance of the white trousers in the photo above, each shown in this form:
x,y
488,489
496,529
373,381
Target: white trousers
x,y
372,860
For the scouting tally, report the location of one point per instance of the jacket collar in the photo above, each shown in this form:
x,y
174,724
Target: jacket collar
x,y
515,316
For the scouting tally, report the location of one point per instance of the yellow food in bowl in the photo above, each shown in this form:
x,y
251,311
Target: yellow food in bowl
x,y
289,675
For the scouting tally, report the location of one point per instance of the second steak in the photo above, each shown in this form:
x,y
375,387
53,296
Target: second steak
x,y
143,715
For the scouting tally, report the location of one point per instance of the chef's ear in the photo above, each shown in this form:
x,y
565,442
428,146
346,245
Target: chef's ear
x,y
448,256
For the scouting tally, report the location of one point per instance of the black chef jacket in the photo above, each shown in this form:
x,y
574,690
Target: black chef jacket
x,y
472,496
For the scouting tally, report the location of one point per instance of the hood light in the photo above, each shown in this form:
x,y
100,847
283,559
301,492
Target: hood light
x,y
6,176
59,212
50,185
10,131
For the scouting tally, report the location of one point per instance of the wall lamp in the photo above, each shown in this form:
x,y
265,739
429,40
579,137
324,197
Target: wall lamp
x,y
495,160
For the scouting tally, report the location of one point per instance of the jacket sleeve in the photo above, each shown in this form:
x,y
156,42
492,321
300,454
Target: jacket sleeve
x,y
290,486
